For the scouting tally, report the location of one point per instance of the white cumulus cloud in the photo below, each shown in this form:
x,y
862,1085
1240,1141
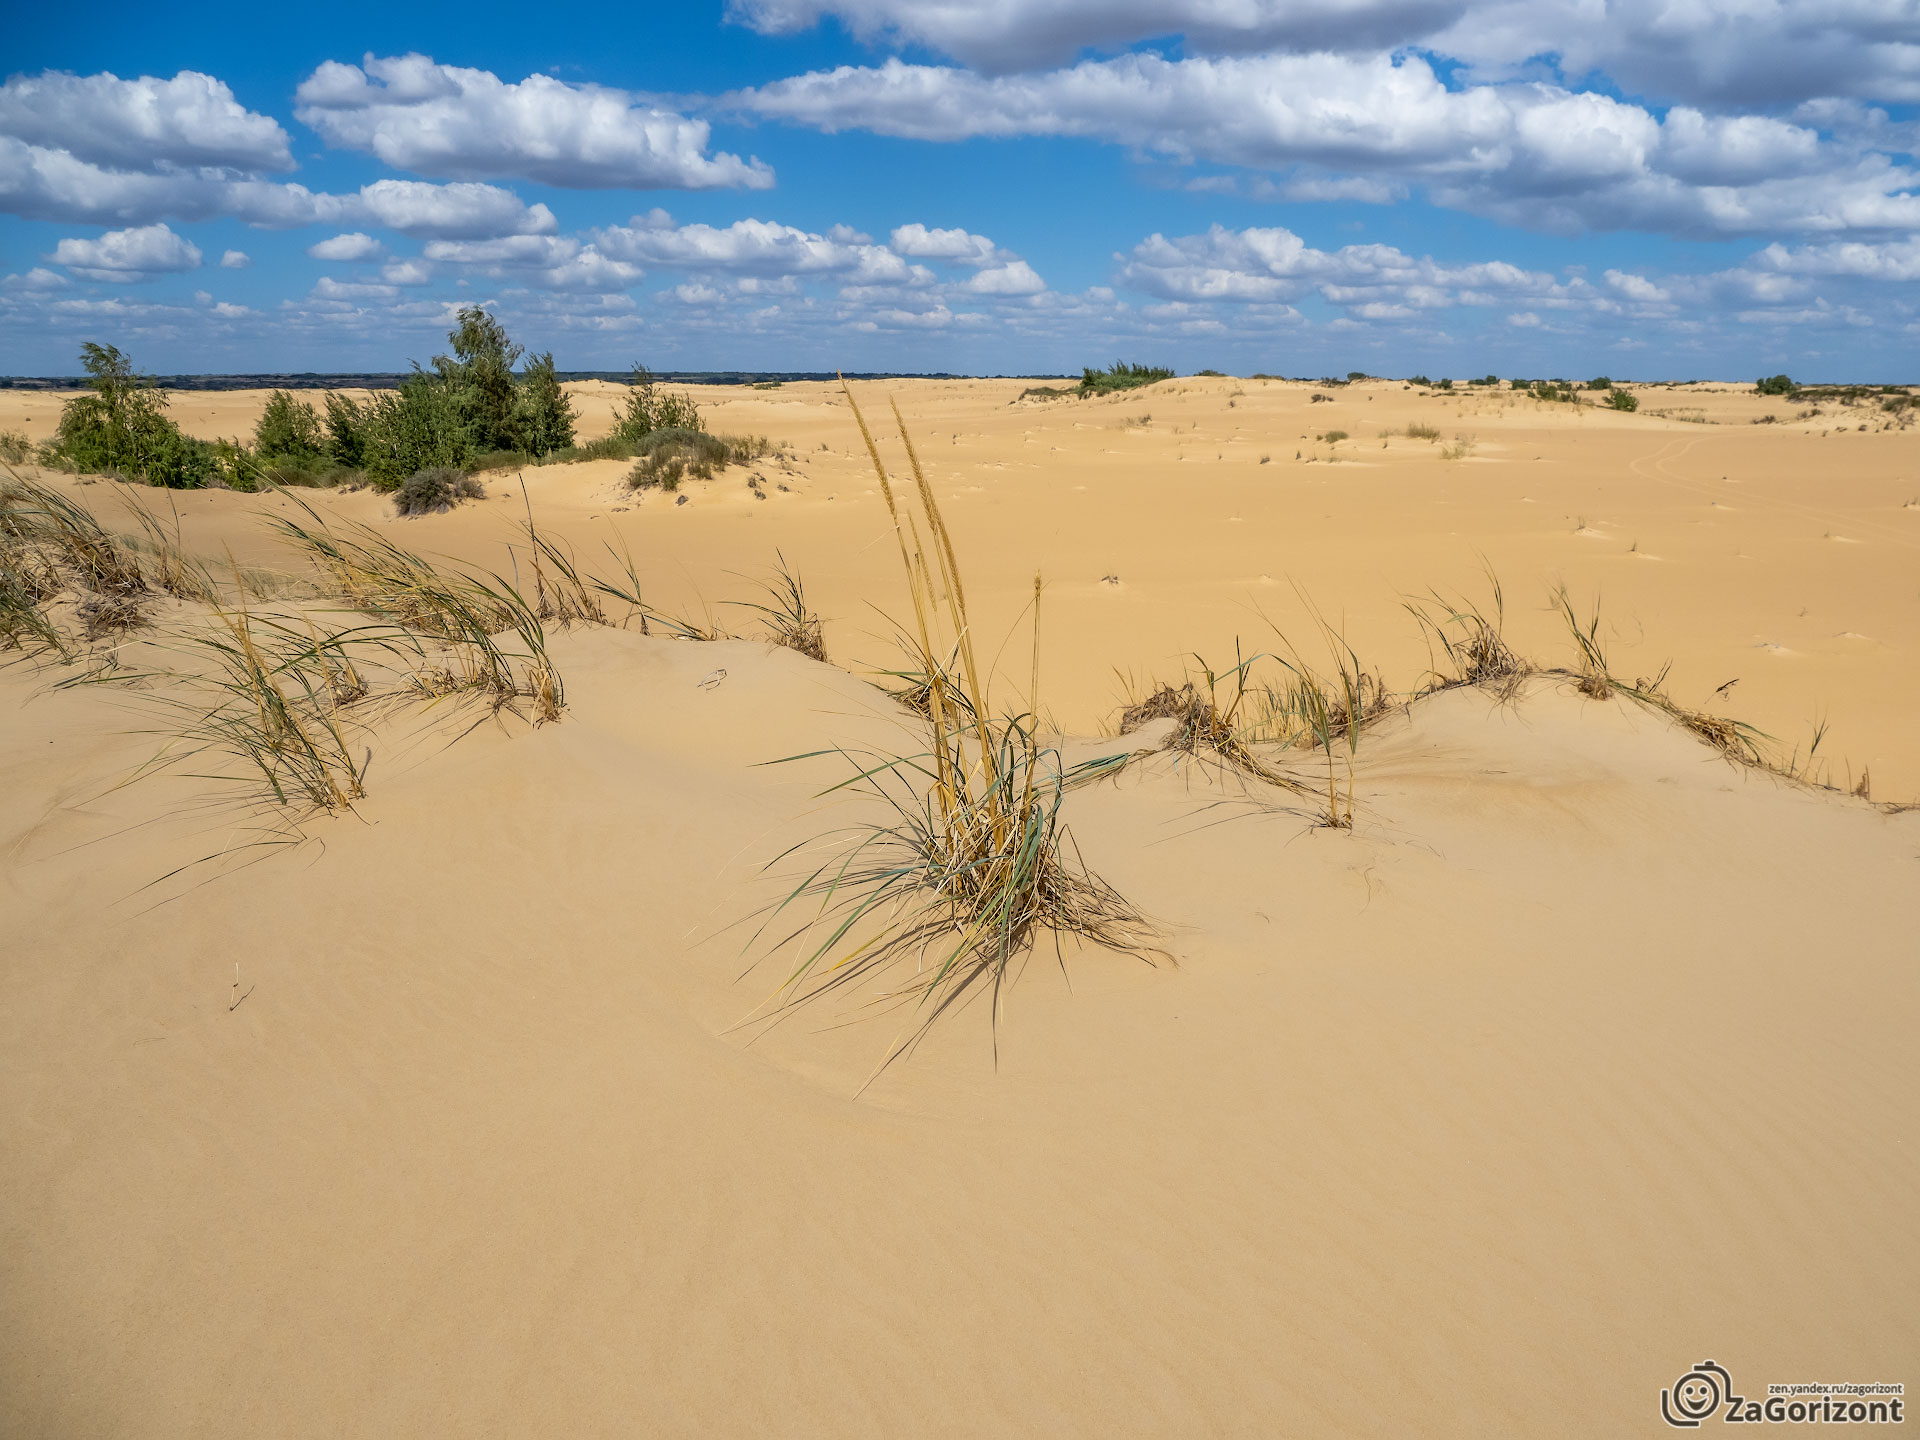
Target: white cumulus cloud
x,y
128,255
452,122
146,124
354,245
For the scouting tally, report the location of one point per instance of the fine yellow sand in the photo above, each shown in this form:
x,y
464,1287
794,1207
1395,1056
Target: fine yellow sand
x,y
1585,1056
1780,556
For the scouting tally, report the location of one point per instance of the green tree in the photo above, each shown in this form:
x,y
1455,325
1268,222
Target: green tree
x,y
1775,385
479,376
542,411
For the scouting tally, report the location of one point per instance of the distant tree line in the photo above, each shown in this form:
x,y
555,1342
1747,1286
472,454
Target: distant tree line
x,y
471,410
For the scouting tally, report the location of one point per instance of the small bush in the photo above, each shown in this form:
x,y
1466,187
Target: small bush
x,y
431,491
1423,432
15,447
1120,376
666,457
1621,400
648,408
1334,437
1419,380
1601,382
1775,385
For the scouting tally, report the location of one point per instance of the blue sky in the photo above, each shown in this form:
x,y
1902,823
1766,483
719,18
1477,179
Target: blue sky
x,y
1527,187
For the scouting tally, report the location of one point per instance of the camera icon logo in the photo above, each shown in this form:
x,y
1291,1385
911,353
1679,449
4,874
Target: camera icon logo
x,y
1695,1396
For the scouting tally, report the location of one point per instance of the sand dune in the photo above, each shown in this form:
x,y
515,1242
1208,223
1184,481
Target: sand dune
x,y
1584,1055
1751,584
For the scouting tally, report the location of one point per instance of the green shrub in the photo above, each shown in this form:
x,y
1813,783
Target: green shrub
x,y
1600,383
1621,400
649,408
122,428
438,489
1420,380
288,428
1775,385
417,427
1120,376
346,439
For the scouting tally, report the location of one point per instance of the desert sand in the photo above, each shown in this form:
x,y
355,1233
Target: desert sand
x,y
1584,1055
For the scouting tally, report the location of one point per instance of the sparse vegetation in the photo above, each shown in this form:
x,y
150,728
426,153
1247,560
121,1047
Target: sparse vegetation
x,y
1423,432
1622,400
1120,376
1775,385
15,447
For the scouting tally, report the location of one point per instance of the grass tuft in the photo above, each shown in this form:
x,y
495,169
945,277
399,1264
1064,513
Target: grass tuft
x,y
975,862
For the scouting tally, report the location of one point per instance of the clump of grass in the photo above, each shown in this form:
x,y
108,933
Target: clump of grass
x,y
15,447
975,862
468,612
33,515
1460,449
1472,641
277,694
790,621
1596,680
1593,677
1334,437
1423,432
1210,718
436,491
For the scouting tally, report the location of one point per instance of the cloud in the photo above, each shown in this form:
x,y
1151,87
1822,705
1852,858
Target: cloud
x,y
554,262
752,247
352,246
1016,277
999,36
40,184
128,255
1263,265
450,122
959,245
146,124
235,260
38,278
1718,54
1528,153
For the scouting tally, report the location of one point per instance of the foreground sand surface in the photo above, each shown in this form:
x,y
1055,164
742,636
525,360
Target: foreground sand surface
x,y
1586,1055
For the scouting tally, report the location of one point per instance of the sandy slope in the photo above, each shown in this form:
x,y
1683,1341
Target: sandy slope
x,y
1585,1056
1781,556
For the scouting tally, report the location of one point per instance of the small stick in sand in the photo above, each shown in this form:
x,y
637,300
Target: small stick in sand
x,y
237,995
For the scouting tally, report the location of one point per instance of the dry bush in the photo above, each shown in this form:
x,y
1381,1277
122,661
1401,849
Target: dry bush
x,y
436,491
